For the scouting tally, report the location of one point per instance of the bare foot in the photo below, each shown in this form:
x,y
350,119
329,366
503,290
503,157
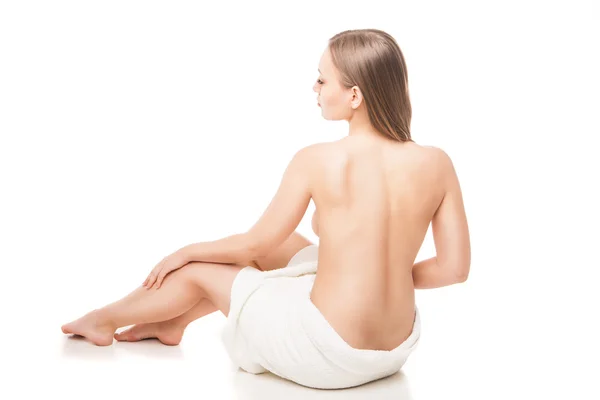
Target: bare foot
x,y
92,327
168,333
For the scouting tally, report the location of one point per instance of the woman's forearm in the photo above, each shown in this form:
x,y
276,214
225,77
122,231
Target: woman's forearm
x,y
427,274
234,249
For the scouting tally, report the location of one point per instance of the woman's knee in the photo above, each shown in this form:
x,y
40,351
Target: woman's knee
x,y
215,280
207,274
188,272
191,271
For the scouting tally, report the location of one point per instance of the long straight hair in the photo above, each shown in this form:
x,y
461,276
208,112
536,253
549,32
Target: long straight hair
x,y
372,60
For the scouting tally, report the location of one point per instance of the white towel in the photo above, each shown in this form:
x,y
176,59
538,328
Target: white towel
x,y
274,326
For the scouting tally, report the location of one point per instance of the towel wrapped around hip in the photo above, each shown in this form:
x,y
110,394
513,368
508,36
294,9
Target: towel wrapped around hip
x,y
273,325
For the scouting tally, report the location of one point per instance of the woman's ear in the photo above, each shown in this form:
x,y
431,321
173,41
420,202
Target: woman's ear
x,y
356,97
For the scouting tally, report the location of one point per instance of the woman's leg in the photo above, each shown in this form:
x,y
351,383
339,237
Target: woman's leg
x,y
181,290
170,332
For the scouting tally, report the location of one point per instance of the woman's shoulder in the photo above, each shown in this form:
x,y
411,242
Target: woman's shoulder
x,y
336,155
323,155
440,159
324,165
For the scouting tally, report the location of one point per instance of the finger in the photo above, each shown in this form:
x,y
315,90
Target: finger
x,y
160,278
147,281
152,280
154,274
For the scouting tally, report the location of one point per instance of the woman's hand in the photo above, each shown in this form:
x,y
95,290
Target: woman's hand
x,y
162,269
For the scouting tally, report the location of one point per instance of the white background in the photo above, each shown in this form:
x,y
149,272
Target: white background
x,y
131,128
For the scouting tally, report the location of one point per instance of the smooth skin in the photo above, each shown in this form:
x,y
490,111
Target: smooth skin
x,y
374,199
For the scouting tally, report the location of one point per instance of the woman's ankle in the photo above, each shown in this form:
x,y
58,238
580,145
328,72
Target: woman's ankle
x,y
103,319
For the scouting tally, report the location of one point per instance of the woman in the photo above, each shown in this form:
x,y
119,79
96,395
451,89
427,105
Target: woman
x,y
376,192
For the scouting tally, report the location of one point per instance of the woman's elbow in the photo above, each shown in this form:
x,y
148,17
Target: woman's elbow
x,y
462,275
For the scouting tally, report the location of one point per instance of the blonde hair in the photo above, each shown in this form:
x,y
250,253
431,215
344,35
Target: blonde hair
x,y
372,60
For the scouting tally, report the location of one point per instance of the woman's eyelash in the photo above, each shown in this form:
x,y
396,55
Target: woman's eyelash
x,y
320,81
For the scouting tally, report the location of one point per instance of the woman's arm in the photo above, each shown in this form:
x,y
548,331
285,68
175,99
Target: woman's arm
x,y
234,249
276,224
452,261
428,274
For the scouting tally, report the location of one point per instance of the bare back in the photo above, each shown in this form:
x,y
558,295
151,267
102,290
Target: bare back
x,y
375,199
